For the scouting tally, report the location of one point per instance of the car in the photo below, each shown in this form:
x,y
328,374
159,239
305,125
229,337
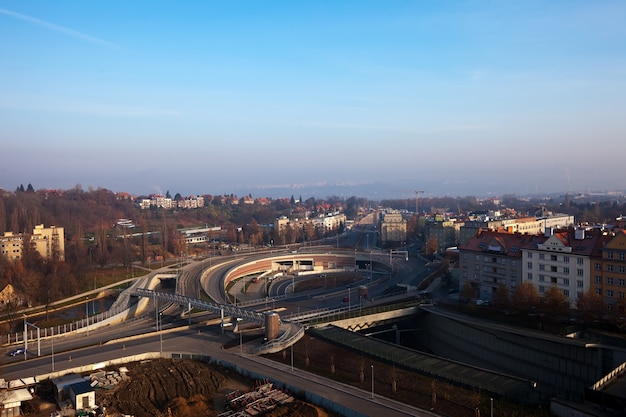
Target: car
x,y
16,352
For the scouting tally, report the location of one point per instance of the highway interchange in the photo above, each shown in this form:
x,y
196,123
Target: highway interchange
x,y
140,335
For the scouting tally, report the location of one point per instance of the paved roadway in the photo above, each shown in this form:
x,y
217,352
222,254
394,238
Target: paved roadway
x,y
209,342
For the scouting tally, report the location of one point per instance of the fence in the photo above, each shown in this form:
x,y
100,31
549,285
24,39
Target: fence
x,y
33,331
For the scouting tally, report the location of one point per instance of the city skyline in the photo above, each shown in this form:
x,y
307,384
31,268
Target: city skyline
x,y
455,98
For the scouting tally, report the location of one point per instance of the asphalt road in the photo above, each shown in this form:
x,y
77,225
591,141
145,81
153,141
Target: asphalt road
x,y
209,341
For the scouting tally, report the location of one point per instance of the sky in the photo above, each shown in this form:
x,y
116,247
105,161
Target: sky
x,y
221,97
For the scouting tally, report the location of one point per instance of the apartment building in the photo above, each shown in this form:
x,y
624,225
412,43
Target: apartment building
x,y
446,232
48,241
609,271
530,225
493,260
563,259
392,228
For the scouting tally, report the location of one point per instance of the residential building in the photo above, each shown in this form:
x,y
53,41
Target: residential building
x,y
609,271
493,260
444,231
531,225
563,259
392,229
48,241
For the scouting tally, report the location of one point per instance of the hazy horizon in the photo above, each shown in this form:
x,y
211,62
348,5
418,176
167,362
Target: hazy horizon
x,y
459,98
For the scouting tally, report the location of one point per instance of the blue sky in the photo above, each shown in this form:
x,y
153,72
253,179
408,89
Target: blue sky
x,y
226,96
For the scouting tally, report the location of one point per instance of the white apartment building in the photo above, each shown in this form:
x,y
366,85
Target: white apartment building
x,y
564,259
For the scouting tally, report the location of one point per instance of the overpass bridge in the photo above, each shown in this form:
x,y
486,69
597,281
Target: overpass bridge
x,y
183,300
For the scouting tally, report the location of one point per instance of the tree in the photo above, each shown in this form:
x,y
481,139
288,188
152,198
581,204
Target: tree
x,y
468,292
555,302
431,246
525,297
30,188
167,194
501,297
590,305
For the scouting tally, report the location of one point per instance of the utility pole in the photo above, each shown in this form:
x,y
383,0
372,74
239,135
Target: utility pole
x,y
416,200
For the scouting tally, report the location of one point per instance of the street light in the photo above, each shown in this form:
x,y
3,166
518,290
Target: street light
x,y
160,325
52,341
349,297
372,381
25,337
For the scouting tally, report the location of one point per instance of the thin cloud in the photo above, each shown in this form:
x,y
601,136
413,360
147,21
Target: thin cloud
x,y
57,28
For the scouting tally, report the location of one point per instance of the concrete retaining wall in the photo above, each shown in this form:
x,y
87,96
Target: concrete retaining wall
x,y
562,367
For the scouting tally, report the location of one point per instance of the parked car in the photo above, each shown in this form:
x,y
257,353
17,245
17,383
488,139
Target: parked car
x,y
17,352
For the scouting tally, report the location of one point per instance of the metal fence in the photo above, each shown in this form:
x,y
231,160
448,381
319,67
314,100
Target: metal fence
x,y
33,331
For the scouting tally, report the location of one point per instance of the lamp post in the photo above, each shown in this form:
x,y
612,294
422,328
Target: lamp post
x,y
372,381
160,325
25,337
52,341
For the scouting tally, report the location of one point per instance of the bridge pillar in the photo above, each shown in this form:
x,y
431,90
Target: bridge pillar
x,y
272,325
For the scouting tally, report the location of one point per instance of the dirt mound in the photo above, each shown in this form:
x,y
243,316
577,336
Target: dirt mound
x,y
183,388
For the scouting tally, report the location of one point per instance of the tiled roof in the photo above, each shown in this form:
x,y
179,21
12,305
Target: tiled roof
x,y
508,243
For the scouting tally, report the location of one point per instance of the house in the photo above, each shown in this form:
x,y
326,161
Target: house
x,y
11,401
82,395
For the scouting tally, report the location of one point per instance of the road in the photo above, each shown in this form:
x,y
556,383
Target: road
x,y
93,347
209,341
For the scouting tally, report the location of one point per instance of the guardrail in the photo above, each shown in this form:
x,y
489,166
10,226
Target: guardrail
x,y
615,372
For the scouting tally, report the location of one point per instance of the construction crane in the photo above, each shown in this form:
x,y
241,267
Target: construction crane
x,y
416,200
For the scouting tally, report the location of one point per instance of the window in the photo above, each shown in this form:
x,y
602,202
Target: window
x,y
542,256
542,267
530,265
553,269
609,268
566,259
553,280
542,289
529,276
580,284
621,282
622,269
553,257
621,256
530,255
580,261
598,279
598,266
620,294
566,281
542,278
599,291
566,293
580,272
609,255
566,270
609,293
609,281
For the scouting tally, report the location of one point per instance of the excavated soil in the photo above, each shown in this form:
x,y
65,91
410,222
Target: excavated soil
x,y
183,388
